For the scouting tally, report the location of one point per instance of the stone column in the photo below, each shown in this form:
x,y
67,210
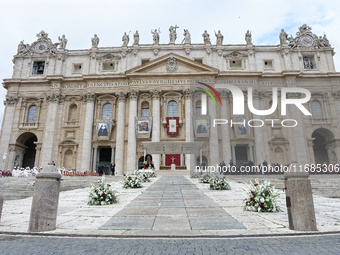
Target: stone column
x,y
49,137
6,131
120,137
336,96
234,153
251,155
189,132
299,200
213,140
94,162
131,148
259,131
37,160
87,137
156,124
1,204
310,150
297,136
112,153
225,131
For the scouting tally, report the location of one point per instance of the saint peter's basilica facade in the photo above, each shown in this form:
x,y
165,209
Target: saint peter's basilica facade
x,y
85,108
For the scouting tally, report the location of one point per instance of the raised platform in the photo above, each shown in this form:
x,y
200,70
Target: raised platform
x,y
169,168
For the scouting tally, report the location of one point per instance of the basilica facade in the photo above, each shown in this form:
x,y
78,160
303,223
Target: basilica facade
x,y
86,108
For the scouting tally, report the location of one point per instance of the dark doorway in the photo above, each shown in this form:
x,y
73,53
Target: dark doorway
x,y
319,148
105,159
27,140
241,154
141,162
29,156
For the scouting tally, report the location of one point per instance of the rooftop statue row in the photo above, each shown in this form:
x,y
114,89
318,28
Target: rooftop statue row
x,y
303,39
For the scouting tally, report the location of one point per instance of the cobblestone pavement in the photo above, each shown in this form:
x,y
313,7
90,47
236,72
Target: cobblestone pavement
x,y
17,245
173,202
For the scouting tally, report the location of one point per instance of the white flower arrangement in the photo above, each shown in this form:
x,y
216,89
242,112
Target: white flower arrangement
x,y
261,197
148,172
205,179
102,193
219,183
132,181
142,175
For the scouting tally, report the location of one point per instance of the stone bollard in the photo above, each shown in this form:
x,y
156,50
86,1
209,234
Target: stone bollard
x,y
299,200
45,200
1,204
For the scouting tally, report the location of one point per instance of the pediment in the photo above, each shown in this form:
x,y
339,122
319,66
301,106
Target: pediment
x,y
172,65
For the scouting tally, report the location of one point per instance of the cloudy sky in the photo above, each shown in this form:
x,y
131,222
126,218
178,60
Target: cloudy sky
x,y
80,19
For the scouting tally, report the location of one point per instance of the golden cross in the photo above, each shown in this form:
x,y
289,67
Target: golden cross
x,y
173,159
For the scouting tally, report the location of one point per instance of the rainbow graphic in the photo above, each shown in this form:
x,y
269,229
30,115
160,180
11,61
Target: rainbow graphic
x,y
209,93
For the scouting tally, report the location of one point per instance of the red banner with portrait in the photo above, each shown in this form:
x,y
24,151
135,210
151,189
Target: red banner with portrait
x,y
172,124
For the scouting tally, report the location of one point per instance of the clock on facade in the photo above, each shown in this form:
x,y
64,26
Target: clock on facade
x,y
41,47
306,41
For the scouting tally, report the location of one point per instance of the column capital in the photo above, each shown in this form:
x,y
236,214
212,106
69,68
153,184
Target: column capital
x,y
10,100
224,94
156,94
133,94
89,97
259,94
336,94
55,97
121,96
187,93
293,95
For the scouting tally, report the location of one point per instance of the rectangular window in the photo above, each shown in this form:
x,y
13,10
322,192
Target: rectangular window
x,y
108,66
199,111
77,68
38,67
236,64
268,64
309,62
146,60
199,60
145,112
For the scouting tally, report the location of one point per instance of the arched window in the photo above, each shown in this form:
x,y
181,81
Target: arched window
x,y
204,161
73,113
32,114
145,109
317,110
198,108
107,112
172,109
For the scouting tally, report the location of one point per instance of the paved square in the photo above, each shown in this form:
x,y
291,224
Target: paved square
x,y
171,222
205,212
140,211
168,211
129,223
172,203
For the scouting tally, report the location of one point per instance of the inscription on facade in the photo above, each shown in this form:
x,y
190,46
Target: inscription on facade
x,y
174,82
